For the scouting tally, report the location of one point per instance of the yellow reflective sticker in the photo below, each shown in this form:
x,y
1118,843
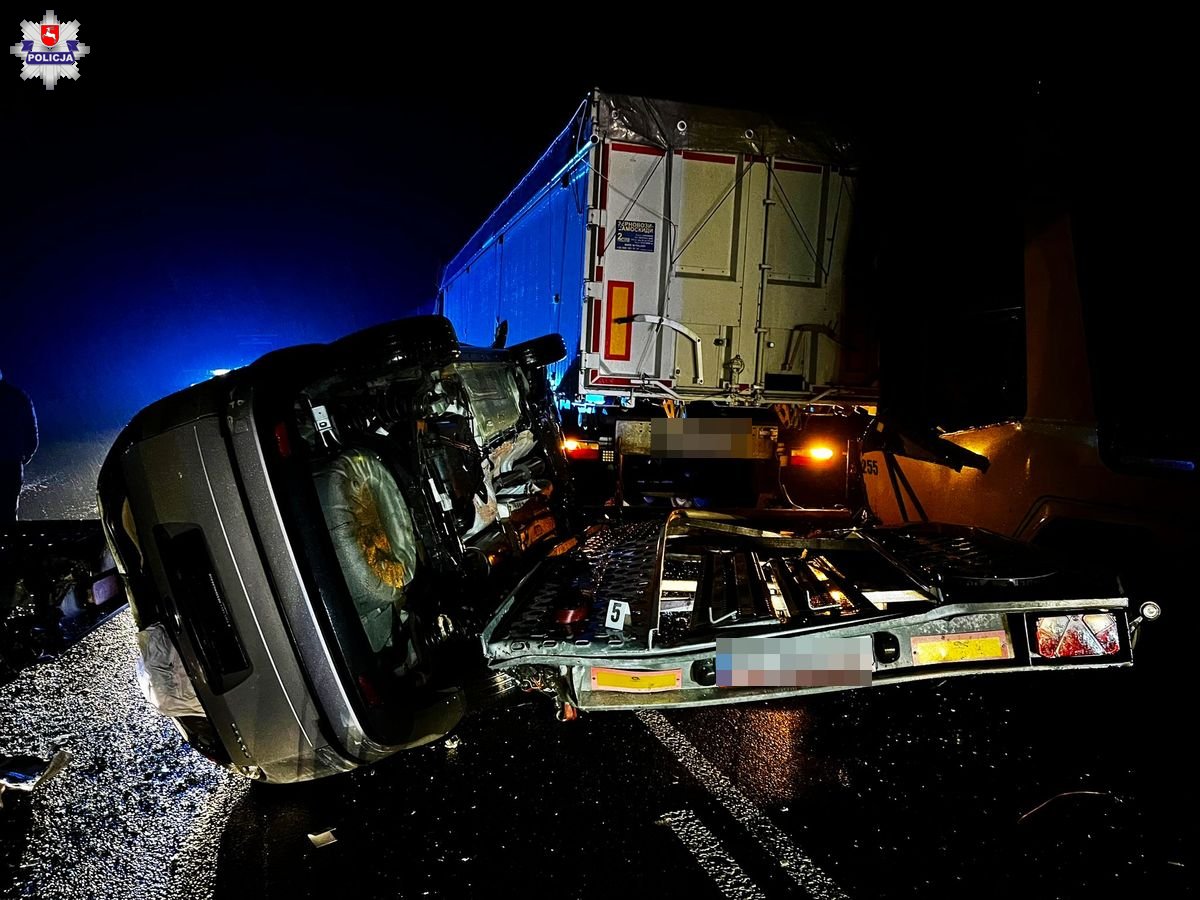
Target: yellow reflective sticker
x,y
931,649
636,682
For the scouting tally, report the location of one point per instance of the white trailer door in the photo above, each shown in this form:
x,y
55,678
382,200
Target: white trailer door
x,y
632,247
708,266
716,273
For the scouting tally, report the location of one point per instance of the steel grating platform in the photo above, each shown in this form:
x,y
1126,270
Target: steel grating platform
x,y
567,607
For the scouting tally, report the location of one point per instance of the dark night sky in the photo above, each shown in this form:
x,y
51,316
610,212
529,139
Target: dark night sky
x,y
193,205
167,220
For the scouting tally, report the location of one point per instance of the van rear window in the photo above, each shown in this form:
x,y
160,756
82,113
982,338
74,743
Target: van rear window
x,y
201,601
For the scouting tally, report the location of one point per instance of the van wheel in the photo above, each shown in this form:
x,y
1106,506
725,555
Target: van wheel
x,y
421,340
541,351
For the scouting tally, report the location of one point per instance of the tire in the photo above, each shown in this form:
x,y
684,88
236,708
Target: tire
x,y
420,340
539,352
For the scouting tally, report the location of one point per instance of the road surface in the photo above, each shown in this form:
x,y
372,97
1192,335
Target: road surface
x,y
1051,784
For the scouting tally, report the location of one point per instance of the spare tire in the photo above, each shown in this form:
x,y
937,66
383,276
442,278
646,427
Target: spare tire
x,y
373,536
541,351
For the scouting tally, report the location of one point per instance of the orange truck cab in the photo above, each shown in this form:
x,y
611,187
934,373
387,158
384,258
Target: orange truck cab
x,y
1091,452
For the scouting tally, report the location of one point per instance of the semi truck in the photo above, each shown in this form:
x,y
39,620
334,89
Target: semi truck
x,y
694,261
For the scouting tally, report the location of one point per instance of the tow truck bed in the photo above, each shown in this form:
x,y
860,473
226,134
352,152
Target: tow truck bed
x,y
914,602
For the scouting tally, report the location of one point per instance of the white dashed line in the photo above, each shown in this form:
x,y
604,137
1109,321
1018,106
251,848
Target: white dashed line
x,y
798,865
730,879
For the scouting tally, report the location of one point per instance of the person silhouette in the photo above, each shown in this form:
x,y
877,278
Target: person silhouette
x,y
18,443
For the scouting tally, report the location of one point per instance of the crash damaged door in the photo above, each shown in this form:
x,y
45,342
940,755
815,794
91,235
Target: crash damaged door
x,y
705,609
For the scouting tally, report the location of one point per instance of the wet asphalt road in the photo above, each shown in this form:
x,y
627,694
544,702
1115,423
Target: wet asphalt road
x,y
923,790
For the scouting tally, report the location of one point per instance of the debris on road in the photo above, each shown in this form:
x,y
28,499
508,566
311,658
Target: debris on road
x,y
24,773
323,838
1043,805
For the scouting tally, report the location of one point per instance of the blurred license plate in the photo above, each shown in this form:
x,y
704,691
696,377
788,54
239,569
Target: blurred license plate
x,y
932,649
794,661
704,438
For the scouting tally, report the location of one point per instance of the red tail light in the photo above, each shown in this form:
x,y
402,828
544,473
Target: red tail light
x,y
581,450
369,693
1063,637
281,440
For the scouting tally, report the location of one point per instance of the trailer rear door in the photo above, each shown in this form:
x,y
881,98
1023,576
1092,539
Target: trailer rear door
x,y
631,255
713,273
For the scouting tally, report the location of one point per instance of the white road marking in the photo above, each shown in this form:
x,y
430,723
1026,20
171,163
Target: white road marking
x,y
798,865
729,877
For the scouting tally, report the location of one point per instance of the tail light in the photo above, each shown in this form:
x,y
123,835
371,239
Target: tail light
x,y
368,690
810,455
581,450
1064,637
282,442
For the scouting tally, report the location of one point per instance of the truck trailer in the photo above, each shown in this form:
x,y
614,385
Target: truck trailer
x,y
694,261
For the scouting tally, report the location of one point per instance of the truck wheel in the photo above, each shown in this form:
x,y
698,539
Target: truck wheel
x,y
541,351
421,340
